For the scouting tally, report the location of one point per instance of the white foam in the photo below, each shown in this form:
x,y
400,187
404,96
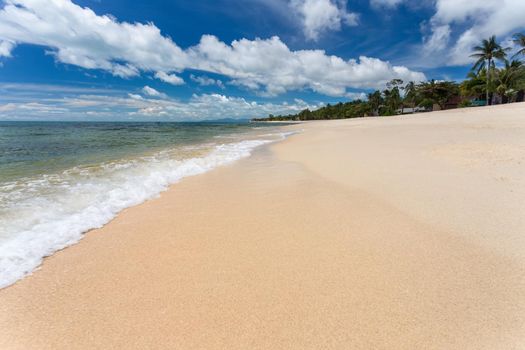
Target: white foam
x,y
48,213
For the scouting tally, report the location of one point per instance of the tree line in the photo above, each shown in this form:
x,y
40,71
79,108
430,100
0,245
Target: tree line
x,y
493,79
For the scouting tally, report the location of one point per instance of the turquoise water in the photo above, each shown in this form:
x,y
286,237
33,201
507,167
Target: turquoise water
x,y
30,148
59,180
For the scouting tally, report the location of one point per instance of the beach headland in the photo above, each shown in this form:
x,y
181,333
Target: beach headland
x,y
370,233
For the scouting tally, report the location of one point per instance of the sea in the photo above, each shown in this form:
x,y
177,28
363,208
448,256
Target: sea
x,y
58,180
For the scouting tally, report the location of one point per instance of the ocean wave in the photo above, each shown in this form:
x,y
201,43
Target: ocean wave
x,y
42,215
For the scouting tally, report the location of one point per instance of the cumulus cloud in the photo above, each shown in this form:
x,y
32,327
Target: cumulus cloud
x,y
458,25
149,91
80,37
220,106
172,79
6,47
207,81
318,16
77,36
282,69
87,105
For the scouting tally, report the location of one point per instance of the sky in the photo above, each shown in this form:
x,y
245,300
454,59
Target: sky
x,y
210,59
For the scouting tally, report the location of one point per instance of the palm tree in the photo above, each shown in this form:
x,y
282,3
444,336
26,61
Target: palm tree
x,y
510,79
519,39
433,92
475,85
393,101
392,97
375,100
411,92
486,53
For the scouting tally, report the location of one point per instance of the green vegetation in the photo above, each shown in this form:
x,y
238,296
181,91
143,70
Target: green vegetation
x,y
487,83
519,39
487,53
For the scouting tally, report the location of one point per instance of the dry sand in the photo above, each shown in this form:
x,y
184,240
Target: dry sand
x,y
376,233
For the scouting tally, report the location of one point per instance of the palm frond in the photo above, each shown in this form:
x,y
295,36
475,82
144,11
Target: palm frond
x,y
479,65
478,55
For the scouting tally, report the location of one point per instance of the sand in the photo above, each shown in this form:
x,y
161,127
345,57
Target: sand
x,y
374,233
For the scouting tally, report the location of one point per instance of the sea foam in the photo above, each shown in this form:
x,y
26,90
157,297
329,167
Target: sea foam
x,y
50,212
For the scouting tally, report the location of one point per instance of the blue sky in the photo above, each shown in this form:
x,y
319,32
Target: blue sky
x,y
192,60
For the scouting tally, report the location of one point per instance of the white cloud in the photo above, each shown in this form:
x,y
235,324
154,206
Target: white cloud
x,y
6,47
458,25
282,69
7,107
220,106
135,96
207,81
31,108
439,39
114,107
149,91
78,36
172,79
357,95
458,10
318,16
385,3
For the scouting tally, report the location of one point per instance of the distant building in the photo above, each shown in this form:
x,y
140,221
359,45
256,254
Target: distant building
x,y
453,102
410,110
478,103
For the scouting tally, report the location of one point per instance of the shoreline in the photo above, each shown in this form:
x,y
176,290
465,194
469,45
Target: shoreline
x,y
355,233
97,198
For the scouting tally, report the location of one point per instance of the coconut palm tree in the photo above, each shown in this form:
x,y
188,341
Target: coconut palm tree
x,y
475,85
392,98
487,53
375,100
437,92
519,39
411,92
509,80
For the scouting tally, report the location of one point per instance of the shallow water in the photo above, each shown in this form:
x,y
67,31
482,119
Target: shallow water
x,y
58,180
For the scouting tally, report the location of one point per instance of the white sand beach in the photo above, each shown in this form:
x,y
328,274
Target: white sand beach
x,y
404,232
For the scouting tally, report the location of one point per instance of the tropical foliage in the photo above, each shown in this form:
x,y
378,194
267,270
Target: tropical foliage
x,y
492,79
519,40
486,54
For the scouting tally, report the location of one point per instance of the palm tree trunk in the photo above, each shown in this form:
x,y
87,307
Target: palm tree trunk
x,y
488,78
